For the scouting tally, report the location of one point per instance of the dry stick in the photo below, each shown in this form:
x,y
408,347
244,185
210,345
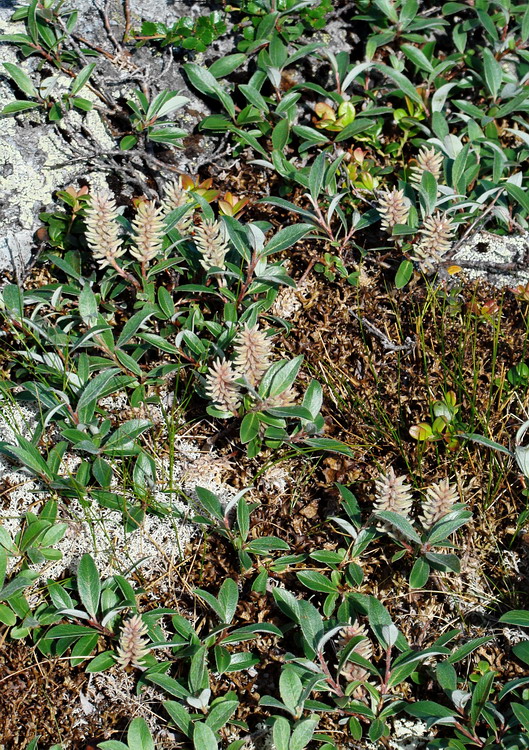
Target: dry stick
x,y
103,12
93,46
126,10
409,344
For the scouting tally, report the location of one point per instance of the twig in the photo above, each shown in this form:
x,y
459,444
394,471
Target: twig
x,y
126,10
103,12
409,343
480,220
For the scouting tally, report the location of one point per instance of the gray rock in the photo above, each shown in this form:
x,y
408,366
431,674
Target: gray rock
x,y
38,157
502,261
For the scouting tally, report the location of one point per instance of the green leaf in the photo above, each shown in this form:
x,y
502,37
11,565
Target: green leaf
x,y
379,620
249,427
281,733
446,676
463,651
316,581
168,684
126,433
228,598
210,502
388,9
220,714
417,57
302,734
518,193
89,584
404,274
129,362
101,662
312,626
285,238
266,544
316,175
88,307
280,135
128,142
403,83
72,632
133,325
329,444
279,377
518,617
82,78
400,523
313,398
139,735
28,455
429,709
458,167
7,616
522,714
493,72
481,439
203,737
32,21
447,525
520,650
419,573
19,106
180,717
22,80
354,128
243,518
290,689
92,391
226,65
254,97
165,300
480,696
24,579
205,82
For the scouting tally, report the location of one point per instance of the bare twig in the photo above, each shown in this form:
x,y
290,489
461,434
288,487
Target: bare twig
x,y
479,221
409,343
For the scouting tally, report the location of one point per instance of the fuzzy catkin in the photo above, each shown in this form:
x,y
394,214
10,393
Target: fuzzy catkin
x,y
176,197
436,240
392,493
148,231
393,208
351,671
211,243
440,499
252,354
133,646
102,229
221,385
428,160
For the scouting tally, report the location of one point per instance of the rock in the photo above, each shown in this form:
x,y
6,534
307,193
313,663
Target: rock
x,y
499,260
38,157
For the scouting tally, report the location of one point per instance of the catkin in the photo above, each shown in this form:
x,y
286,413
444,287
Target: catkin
x,y
393,208
392,493
212,244
221,385
428,160
102,229
148,232
252,359
133,646
440,499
